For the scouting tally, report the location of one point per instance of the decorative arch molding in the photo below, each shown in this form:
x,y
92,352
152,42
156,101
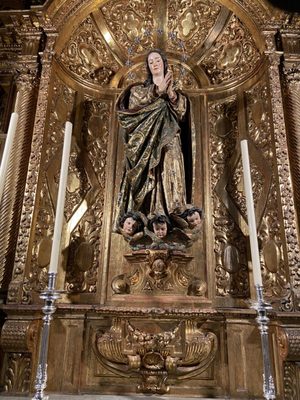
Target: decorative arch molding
x,y
96,46
62,12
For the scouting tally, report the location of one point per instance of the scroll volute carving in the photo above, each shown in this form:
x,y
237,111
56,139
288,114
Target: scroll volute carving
x,y
159,272
86,55
19,336
156,351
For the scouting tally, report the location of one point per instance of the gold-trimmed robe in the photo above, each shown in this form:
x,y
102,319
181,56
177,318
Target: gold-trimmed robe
x,y
154,175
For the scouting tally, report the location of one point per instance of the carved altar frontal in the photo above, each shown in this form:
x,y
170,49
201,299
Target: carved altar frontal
x,y
146,314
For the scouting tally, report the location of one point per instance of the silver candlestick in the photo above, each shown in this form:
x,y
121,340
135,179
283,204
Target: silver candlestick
x,y
49,296
262,319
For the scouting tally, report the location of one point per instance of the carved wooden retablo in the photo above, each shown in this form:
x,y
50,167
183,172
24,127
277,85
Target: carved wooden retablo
x,y
140,312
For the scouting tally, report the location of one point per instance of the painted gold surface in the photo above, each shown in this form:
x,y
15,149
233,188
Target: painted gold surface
x,y
183,326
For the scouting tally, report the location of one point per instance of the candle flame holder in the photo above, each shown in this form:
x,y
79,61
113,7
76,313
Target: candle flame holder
x,y
50,295
262,320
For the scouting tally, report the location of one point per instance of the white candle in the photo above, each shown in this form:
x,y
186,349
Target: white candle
x,y
7,150
59,215
12,128
251,214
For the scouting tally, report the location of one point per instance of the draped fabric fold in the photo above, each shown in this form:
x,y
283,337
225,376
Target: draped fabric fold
x,y
154,178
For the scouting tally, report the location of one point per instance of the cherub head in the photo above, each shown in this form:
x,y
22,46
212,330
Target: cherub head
x,y
131,223
158,269
193,216
160,225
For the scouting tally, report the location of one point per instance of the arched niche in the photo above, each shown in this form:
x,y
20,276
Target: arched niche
x,y
217,52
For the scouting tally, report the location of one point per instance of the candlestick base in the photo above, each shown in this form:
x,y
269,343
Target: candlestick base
x,y
262,320
50,295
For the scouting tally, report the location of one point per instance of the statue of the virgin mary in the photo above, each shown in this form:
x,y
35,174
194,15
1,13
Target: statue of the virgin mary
x,y
155,118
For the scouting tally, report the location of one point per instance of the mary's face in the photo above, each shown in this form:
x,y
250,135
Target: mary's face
x,y
156,64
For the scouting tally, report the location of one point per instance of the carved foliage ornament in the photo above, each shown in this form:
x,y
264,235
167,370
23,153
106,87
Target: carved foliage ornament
x,y
26,23
231,256
285,185
84,247
18,373
226,180
87,56
159,272
18,339
120,29
191,21
234,54
155,355
31,184
127,26
260,130
62,101
292,73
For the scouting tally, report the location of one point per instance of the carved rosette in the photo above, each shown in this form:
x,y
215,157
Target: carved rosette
x,y
183,351
158,272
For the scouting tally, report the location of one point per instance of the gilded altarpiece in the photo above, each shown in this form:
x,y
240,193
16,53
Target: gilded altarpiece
x,y
154,321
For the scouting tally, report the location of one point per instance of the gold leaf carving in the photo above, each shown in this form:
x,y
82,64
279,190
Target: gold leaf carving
x,y
292,91
61,103
233,55
129,22
18,373
159,349
230,246
85,241
159,272
260,131
285,186
87,56
291,373
191,21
